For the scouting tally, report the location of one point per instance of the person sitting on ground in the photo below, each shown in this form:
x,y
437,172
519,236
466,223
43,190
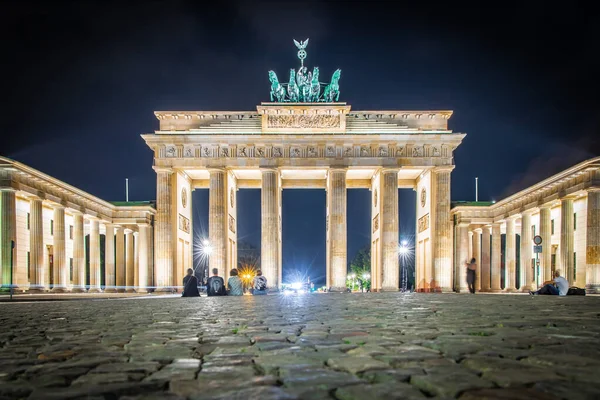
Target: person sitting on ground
x,y
234,284
215,285
471,275
259,284
190,285
558,286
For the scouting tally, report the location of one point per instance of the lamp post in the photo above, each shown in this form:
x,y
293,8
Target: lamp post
x,y
403,252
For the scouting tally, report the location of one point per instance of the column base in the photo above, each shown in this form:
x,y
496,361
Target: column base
x,y
78,289
130,290
495,291
110,290
510,290
95,290
59,290
164,289
141,290
36,290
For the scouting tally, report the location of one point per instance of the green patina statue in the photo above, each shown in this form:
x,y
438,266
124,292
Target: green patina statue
x,y
332,91
303,85
277,91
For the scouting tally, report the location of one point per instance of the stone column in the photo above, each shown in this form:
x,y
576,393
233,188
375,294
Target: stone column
x,y
8,234
485,258
136,260
270,227
120,258
477,256
95,256
78,253
129,262
217,221
59,251
143,256
526,273
546,234
442,244
109,259
389,230
36,246
496,256
336,201
150,240
462,257
511,256
567,238
592,275
163,233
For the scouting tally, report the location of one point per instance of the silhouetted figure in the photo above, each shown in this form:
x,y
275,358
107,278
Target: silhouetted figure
x,y
234,284
471,268
259,284
190,285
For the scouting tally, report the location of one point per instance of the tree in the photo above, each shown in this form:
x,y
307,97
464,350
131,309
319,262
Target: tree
x,y
360,269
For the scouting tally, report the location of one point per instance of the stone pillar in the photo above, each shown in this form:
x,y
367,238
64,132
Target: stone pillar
x,y
462,257
336,205
150,275
496,256
129,262
36,246
59,252
120,258
163,257
95,256
511,256
389,230
109,259
270,227
485,258
546,234
8,234
143,256
567,238
526,272
217,221
78,253
442,250
592,274
136,260
477,256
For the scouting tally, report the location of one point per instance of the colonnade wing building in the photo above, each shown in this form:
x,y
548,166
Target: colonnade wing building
x,y
68,240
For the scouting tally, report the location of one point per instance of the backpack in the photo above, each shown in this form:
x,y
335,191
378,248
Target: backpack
x,y
575,291
261,283
216,286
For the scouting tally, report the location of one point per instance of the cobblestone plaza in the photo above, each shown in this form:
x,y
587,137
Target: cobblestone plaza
x,y
319,346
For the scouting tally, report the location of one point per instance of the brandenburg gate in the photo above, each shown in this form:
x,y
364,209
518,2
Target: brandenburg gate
x,y
305,138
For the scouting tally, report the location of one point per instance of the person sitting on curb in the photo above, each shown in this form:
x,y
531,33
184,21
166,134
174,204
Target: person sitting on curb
x,y
215,285
558,286
234,284
259,284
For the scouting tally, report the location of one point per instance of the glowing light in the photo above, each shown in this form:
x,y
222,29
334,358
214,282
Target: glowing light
x,y
404,243
367,276
296,285
205,242
403,250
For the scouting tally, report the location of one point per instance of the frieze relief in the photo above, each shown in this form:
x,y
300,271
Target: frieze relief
x,y
376,223
184,224
423,223
231,224
311,151
303,121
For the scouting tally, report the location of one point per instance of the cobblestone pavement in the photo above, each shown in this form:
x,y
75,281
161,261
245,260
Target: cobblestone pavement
x,y
319,346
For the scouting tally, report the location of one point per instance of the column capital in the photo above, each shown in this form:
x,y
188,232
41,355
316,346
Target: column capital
x,y
478,230
7,189
268,169
128,231
545,206
512,218
387,170
340,169
213,170
143,224
462,224
594,189
529,211
163,169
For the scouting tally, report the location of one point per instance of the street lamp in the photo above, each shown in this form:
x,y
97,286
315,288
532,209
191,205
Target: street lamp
x,y
404,252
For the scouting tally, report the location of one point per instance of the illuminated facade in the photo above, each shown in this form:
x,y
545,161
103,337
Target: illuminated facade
x,y
305,145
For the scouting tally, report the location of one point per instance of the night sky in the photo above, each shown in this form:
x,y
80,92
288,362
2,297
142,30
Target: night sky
x,y
81,81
